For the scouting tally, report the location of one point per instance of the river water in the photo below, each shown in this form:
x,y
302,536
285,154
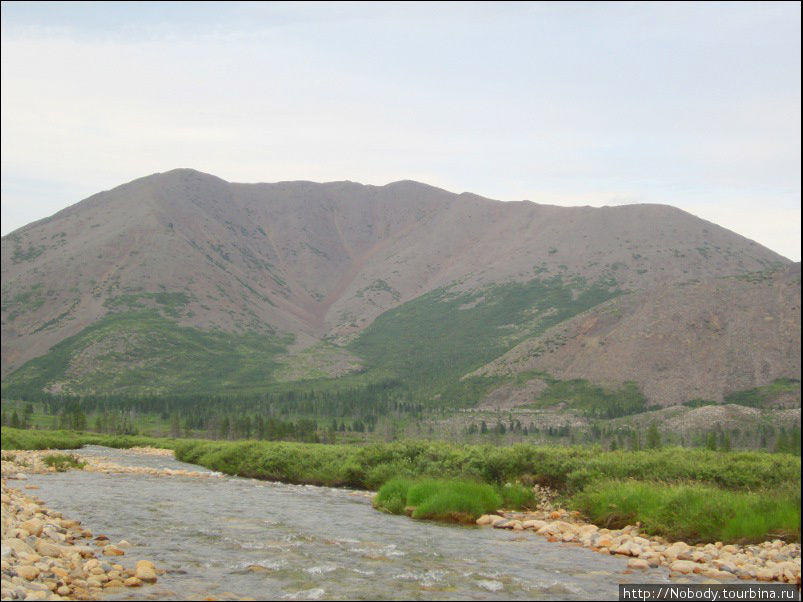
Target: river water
x,y
313,542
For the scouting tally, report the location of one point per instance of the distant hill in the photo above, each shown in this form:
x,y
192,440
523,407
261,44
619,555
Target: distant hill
x,y
182,282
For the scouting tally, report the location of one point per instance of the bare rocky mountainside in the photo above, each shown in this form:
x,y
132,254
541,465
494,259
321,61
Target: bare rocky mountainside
x,y
181,282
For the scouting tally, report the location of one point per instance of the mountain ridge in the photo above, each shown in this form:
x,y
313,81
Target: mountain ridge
x,y
320,262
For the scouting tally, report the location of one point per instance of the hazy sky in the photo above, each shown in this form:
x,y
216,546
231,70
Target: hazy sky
x,y
694,105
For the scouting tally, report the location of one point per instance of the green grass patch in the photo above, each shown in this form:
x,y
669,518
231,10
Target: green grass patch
x,y
517,497
392,496
63,462
694,512
439,499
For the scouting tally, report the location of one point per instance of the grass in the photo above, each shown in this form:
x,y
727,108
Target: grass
x,y
683,493
63,462
694,512
449,500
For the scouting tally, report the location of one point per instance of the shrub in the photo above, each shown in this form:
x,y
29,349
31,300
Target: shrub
x,y
63,462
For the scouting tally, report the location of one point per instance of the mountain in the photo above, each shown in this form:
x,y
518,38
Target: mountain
x,y
693,340
181,282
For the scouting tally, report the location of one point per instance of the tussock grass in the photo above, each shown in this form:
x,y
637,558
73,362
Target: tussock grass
x,y
517,496
392,496
693,512
448,500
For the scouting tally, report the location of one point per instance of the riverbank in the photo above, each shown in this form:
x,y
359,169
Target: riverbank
x,y
767,561
46,556
738,497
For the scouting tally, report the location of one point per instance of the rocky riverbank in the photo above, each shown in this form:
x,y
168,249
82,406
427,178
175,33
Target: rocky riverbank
x,y
46,556
768,561
33,462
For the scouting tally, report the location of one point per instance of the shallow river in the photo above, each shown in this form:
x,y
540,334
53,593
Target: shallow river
x,y
313,542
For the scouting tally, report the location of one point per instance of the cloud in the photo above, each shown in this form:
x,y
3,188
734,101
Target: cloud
x,y
692,106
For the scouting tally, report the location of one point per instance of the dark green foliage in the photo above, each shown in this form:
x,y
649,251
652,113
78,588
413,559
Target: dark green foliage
x,y
23,439
592,400
653,437
765,396
32,252
698,403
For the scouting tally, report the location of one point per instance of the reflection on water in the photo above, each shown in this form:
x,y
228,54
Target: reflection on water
x,y
233,537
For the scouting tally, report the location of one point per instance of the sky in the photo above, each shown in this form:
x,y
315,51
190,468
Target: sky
x,y
695,105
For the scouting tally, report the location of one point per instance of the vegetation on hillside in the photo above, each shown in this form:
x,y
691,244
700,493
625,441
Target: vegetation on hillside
x,y
433,340
145,354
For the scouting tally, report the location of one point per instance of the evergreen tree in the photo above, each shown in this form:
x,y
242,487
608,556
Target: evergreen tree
x,y
175,426
653,437
781,444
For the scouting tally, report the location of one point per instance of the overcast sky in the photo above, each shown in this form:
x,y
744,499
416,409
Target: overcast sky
x,y
694,105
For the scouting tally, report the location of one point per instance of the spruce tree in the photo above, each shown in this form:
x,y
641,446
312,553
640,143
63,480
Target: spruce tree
x,y
653,437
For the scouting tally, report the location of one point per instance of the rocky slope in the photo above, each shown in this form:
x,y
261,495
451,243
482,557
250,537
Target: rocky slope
x,y
679,342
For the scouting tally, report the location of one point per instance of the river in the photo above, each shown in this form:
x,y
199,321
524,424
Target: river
x,y
305,542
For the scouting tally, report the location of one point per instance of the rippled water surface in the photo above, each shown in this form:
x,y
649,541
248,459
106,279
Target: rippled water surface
x,y
313,542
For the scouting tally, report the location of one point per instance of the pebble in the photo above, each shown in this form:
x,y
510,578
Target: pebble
x,y
769,561
46,556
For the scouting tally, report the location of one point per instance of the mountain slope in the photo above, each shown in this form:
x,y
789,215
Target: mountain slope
x,y
298,263
679,342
